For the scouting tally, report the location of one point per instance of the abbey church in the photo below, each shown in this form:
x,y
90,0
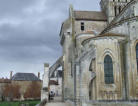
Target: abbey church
x,y
100,54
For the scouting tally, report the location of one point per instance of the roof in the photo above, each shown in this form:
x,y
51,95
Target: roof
x,y
53,82
25,77
90,15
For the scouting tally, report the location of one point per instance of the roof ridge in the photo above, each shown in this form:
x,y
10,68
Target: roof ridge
x,y
90,15
25,77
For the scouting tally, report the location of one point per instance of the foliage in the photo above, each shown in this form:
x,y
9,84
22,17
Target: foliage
x,y
31,103
11,91
33,91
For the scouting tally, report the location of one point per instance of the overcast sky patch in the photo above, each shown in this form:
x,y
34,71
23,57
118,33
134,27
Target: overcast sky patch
x,y
29,32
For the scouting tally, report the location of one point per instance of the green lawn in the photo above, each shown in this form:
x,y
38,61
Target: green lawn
x,y
31,103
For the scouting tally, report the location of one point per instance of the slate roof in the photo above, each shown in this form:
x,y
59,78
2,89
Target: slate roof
x,y
25,77
90,15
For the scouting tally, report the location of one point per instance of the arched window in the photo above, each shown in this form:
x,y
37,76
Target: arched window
x,y
108,70
137,55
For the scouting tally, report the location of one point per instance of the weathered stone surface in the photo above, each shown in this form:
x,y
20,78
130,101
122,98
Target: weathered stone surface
x,y
85,49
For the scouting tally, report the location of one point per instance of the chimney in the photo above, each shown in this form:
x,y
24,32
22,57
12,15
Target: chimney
x,y
46,67
11,74
39,75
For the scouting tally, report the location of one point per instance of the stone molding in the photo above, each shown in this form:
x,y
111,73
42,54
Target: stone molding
x,y
119,23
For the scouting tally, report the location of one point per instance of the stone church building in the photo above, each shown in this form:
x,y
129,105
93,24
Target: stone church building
x,y
100,53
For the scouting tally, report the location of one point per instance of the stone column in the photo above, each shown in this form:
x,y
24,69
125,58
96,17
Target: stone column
x,y
45,91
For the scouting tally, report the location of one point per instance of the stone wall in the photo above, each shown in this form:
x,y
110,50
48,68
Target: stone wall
x,y
96,26
109,104
102,91
68,73
108,91
24,85
128,28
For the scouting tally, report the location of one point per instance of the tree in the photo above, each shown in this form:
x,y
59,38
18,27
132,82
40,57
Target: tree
x,y
33,91
11,91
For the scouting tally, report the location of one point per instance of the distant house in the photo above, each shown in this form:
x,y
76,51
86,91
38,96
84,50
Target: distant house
x,y
24,80
3,82
25,77
55,83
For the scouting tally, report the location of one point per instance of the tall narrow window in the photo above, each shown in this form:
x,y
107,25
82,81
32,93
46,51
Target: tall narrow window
x,y
108,70
120,9
115,10
82,26
137,55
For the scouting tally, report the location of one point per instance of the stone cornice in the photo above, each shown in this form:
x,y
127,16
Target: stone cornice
x,y
109,35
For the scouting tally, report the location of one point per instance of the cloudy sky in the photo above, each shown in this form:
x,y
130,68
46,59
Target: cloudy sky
x,y
29,32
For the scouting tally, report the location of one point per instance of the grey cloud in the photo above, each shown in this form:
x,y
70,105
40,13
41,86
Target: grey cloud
x,y
27,44
14,7
29,32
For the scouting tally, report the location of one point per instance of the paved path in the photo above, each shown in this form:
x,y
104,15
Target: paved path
x,y
57,99
56,104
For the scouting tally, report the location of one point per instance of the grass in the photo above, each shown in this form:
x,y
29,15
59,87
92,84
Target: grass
x,y
31,103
